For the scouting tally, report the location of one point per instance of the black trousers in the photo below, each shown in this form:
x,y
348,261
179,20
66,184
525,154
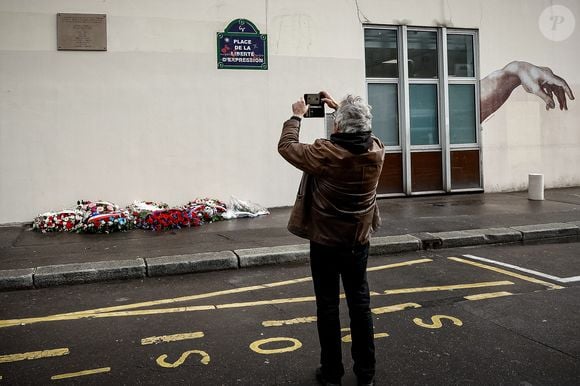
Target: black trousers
x,y
328,264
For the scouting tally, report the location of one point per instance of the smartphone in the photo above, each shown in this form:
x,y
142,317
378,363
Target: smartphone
x,y
316,106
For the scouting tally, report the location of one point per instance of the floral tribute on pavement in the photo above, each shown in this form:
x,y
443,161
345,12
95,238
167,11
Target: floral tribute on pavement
x,y
107,217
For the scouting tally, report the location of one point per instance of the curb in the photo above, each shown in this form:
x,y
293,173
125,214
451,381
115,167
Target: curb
x,y
273,255
543,231
394,244
16,279
53,275
479,237
77,273
197,262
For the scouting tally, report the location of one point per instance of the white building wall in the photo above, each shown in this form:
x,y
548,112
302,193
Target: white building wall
x,y
522,137
152,118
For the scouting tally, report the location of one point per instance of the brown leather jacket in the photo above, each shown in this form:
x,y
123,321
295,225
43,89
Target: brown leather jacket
x,y
336,200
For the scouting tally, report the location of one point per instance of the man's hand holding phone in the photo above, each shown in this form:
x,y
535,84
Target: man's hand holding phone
x,y
299,108
330,102
312,105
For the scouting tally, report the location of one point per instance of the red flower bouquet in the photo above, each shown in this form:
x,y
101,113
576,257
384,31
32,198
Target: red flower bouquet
x,y
63,221
207,210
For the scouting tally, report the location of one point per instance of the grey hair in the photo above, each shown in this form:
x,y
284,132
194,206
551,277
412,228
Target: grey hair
x,y
353,115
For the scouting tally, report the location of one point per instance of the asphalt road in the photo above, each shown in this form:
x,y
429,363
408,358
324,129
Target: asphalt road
x,y
444,317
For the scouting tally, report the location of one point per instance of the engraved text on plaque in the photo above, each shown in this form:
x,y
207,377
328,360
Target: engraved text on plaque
x,y
82,32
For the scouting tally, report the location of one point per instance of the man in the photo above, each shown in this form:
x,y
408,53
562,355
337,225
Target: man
x,y
336,210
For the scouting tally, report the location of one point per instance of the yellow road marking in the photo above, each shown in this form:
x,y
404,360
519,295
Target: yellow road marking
x,y
92,313
446,287
161,360
489,295
509,273
34,355
311,319
394,308
171,338
397,265
256,346
278,323
169,300
77,316
156,311
81,373
348,337
288,282
266,302
436,321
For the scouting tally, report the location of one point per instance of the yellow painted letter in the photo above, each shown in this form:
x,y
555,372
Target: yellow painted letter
x,y
436,321
161,360
256,346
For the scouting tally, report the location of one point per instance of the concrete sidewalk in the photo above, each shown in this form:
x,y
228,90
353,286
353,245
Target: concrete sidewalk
x,y
30,259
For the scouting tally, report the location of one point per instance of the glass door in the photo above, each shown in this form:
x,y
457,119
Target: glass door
x,y
382,71
422,86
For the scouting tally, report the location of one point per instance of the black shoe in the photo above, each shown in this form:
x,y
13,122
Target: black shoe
x,y
323,381
371,383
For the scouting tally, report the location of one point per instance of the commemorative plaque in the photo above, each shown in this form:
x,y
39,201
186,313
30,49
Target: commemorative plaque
x,y
81,32
242,46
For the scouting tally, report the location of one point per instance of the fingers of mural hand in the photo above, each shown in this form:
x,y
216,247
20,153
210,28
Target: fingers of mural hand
x,y
547,98
561,95
561,82
552,90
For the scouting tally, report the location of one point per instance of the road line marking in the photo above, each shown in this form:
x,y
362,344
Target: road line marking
x,y
81,373
535,273
266,302
312,319
446,287
489,295
394,308
156,311
91,313
570,279
169,300
397,265
279,323
348,337
171,338
287,282
63,317
509,273
153,311
34,355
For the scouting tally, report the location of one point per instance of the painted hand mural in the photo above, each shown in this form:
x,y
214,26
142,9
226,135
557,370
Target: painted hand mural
x,y
541,81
